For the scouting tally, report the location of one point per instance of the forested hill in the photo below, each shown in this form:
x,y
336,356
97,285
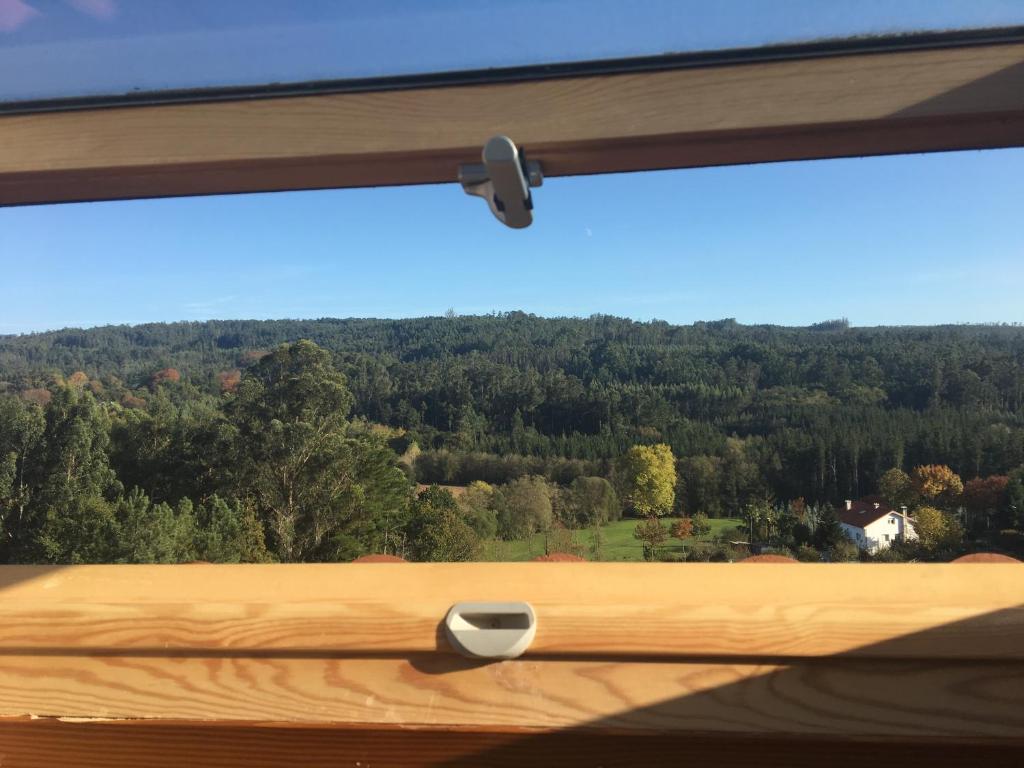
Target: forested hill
x,y
818,412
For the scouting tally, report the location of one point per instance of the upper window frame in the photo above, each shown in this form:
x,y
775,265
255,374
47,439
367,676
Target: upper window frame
x,y
890,96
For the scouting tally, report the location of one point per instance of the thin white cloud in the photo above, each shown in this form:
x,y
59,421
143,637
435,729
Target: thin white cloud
x,y
14,14
98,9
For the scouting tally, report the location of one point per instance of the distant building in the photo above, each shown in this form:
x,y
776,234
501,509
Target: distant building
x,y
873,525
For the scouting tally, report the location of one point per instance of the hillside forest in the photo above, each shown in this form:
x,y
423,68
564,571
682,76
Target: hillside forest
x,y
454,438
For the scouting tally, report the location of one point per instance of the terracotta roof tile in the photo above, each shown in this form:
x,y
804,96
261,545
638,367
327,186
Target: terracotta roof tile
x,y
863,513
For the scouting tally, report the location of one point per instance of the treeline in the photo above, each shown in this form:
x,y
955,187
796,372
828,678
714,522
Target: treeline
x,y
819,412
272,470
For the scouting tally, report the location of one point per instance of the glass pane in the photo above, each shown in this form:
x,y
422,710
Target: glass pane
x,y
51,49
873,322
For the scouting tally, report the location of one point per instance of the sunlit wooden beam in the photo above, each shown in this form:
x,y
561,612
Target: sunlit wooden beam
x,y
966,97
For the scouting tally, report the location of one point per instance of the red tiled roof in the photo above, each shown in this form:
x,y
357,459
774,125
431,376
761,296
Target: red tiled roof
x,y
863,513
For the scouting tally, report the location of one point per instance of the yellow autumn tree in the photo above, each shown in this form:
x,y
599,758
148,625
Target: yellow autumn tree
x,y
936,528
649,478
937,483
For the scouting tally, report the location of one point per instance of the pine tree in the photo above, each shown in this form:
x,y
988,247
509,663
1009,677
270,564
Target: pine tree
x,y
154,533
828,534
228,533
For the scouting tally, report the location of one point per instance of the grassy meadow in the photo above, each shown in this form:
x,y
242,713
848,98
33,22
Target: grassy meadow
x,y
619,544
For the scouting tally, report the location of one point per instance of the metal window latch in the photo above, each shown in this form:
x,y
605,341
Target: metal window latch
x,y
504,180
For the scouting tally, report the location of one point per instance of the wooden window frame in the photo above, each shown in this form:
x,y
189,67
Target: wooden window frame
x,y
633,664
917,99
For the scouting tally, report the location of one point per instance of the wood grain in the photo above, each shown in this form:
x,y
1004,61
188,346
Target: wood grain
x,y
43,743
828,698
332,663
646,610
970,97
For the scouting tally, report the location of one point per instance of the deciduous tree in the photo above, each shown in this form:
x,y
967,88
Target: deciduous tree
x,y
701,525
165,375
936,529
682,528
897,488
524,507
649,474
985,494
985,500
37,395
937,483
653,535
477,505
228,381
589,501
438,531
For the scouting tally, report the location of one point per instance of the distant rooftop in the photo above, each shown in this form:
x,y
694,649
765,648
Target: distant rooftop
x,y
863,513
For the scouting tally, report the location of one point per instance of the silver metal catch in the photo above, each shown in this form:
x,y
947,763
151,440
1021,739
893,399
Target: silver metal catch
x,y
503,180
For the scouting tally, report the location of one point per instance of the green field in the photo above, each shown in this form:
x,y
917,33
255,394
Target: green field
x,y
619,543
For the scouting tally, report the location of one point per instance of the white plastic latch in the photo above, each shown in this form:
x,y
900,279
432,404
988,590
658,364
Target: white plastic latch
x,y
491,630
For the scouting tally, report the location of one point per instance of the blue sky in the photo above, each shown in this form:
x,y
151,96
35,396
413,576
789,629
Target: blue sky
x,y
54,48
918,239
899,240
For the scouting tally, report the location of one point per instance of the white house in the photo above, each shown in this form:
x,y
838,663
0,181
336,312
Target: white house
x,y
873,525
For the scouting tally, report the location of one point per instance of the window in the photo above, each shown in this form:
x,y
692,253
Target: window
x,y
236,434
544,410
